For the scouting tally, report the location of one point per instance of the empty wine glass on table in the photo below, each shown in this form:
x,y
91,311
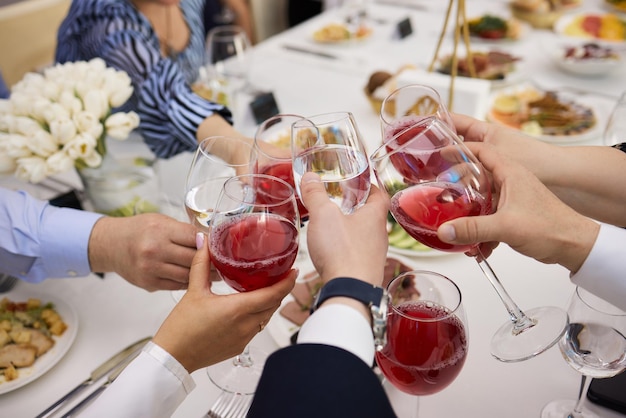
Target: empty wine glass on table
x,y
408,105
330,145
216,159
594,344
427,333
432,177
253,243
615,131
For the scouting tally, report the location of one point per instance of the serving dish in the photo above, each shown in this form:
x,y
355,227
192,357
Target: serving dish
x,y
62,343
599,26
340,33
587,59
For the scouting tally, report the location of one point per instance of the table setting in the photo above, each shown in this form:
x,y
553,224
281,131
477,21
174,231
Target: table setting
x,y
322,69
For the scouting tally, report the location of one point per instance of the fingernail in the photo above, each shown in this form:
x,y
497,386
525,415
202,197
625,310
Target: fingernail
x,y
199,240
447,233
310,177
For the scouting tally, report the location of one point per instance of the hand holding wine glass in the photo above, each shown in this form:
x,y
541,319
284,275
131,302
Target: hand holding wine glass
x,y
253,243
594,344
330,145
431,178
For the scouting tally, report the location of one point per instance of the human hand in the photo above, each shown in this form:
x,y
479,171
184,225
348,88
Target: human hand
x,y
352,245
530,218
205,328
152,251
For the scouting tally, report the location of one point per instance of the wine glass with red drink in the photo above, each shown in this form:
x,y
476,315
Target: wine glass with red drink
x,y
331,145
253,243
427,333
432,177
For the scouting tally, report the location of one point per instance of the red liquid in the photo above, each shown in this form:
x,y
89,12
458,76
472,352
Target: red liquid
x,y
422,358
420,160
284,172
421,209
254,250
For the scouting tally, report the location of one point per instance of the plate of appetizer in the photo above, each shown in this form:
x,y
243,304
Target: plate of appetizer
x,y
37,331
492,28
598,26
295,307
587,59
400,242
548,115
341,33
497,66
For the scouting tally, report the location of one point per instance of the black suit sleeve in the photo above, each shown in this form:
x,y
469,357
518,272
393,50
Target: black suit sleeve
x,y
316,380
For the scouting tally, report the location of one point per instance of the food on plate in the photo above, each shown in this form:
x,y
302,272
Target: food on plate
x,y
338,32
494,27
381,84
26,333
590,51
541,13
541,113
601,26
298,310
491,65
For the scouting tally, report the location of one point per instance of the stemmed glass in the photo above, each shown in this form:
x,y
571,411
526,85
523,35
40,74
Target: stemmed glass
x,y
432,177
228,58
253,243
216,159
615,131
410,104
594,344
427,333
330,145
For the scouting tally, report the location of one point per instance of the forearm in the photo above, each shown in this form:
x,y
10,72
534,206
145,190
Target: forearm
x,y
215,125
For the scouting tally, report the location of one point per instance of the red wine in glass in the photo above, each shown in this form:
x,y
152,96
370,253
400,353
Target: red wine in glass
x,y
254,250
284,171
422,208
422,356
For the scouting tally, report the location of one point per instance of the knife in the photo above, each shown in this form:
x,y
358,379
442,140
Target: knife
x,y
309,51
97,374
116,372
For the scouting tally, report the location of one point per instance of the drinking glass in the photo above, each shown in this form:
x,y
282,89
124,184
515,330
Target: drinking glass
x,y
594,344
427,333
432,177
253,243
615,131
330,145
410,104
228,58
213,163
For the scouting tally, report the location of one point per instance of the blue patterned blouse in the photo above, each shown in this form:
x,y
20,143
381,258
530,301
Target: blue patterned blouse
x,y
116,32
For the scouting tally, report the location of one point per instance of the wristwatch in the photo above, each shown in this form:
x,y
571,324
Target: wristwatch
x,y
375,298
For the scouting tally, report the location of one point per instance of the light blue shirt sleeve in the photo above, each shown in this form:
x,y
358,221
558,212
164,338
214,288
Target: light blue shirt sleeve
x,y
38,240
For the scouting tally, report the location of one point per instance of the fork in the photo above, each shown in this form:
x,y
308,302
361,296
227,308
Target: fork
x,y
7,282
230,405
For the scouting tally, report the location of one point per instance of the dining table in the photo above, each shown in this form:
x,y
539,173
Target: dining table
x,y
306,77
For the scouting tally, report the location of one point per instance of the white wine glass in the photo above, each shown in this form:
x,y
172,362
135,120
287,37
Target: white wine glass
x,y
253,243
228,59
216,159
331,145
594,345
432,177
615,131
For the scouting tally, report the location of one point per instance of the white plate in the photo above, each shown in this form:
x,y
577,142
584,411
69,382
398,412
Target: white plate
x,y
417,253
281,329
585,67
565,20
56,353
524,29
593,102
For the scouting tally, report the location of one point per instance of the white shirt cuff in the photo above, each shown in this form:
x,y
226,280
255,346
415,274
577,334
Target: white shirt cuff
x,y
604,271
340,326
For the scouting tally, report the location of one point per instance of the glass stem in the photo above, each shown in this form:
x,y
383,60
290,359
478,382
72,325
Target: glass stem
x,y
244,359
520,321
578,409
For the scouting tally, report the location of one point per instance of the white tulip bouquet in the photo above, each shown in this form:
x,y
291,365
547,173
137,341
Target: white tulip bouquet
x,y
58,120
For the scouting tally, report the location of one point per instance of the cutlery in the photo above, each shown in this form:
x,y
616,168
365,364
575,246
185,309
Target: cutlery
x,y
230,405
309,51
120,368
98,373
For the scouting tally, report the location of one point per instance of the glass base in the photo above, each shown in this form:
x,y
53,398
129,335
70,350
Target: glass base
x,y
563,408
230,377
509,346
